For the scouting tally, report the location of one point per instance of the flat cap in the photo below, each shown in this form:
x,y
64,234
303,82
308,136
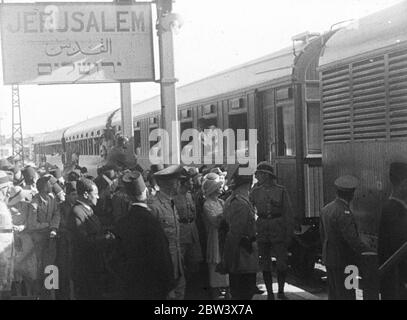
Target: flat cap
x,y
170,172
346,183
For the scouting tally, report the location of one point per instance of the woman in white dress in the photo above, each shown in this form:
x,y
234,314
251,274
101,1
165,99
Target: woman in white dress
x,y
213,213
6,239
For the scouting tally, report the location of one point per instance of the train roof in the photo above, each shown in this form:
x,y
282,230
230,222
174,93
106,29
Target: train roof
x,y
89,125
277,65
371,33
48,137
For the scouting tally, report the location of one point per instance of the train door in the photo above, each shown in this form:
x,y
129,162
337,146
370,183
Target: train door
x,y
276,121
265,124
237,120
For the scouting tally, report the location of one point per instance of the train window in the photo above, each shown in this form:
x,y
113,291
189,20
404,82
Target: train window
x,y
285,131
185,126
96,147
313,128
153,120
186,114
209,109
237,103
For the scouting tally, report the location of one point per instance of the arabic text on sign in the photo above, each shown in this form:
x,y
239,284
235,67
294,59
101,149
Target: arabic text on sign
x,y
72,48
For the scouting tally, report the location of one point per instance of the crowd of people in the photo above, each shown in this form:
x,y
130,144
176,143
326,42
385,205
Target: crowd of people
x,y
169,232
162,233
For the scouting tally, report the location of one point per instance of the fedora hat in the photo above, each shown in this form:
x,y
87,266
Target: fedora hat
x,y
17,194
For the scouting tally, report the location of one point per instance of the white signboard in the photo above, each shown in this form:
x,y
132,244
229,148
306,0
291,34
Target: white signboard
x,y
51,43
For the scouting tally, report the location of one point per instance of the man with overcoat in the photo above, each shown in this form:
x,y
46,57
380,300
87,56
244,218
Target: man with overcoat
x,y
163,209
143,263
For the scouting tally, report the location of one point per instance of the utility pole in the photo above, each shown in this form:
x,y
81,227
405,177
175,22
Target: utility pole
x,y
17,130
169,115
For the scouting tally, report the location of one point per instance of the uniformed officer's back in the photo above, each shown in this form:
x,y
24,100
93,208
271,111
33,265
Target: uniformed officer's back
x,y
341,244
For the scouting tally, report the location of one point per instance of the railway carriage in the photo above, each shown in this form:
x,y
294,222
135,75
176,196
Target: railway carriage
x,y
277,94
48,148
364,108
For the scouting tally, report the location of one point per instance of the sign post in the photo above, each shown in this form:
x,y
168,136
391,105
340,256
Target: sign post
x,y
169,116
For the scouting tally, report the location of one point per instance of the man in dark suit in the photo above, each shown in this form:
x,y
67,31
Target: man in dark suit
x,y
393,234
88,243
144,263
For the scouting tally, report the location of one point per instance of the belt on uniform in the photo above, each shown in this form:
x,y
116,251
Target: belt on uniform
x,y
185,220
6,230
270,216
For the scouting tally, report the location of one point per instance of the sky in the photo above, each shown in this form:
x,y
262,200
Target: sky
x,y
215,35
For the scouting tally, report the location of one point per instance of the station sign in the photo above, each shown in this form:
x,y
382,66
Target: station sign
x,y
50,43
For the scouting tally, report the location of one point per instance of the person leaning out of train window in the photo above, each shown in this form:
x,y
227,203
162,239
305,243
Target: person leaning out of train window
x,y
393,234
341,243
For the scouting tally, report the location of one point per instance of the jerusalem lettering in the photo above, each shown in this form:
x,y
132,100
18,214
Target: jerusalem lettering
x,y
77,21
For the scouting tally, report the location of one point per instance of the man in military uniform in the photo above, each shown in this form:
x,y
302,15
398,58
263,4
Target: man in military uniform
x,y
163,209
275,226
189,237
341,244
393,234
240,254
